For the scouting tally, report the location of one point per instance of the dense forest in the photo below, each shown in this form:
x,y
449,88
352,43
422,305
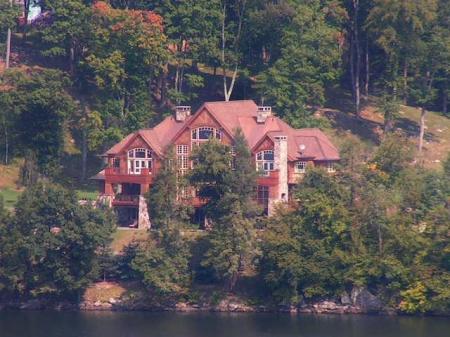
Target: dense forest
x,y
84,74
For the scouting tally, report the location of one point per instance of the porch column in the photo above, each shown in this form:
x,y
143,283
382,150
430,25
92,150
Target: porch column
x,y
109,189
144,189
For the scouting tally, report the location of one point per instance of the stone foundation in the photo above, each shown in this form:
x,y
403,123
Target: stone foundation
x,y
143,217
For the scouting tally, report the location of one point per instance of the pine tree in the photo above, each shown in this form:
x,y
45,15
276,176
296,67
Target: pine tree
x,y
168,199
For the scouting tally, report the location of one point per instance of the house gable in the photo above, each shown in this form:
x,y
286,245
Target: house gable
x,y
265,143
202,118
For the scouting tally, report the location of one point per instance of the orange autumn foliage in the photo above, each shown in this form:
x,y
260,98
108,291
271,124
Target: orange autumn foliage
x,y
102,8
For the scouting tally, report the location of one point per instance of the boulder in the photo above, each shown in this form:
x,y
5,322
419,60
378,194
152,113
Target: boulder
x,y
345,299
365,300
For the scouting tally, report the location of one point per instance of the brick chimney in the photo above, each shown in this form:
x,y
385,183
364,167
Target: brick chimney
x,y
262,114
182,112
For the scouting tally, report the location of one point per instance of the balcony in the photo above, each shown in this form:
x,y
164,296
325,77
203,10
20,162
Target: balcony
x,y
115,175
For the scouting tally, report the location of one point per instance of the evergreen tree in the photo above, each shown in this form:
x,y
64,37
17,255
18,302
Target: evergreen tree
x,y
211,173
168,199
231,240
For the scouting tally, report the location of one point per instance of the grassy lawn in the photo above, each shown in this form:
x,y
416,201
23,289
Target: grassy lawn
x,y
9,197
86,194
123,237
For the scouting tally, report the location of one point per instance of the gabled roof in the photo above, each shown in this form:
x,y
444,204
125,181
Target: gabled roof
x,y
240,114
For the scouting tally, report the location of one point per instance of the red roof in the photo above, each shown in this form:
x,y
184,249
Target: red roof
x,y
241,114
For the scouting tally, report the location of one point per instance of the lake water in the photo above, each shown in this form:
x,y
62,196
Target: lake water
x,y
142,324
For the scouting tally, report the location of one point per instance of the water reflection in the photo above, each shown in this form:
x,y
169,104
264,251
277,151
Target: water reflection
x,y
142,324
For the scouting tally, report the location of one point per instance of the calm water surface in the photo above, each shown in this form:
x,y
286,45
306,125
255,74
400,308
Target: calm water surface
x,y
141,324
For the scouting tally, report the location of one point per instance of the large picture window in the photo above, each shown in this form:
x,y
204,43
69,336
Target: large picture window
x,y
265,162
182,158
203,134
139,159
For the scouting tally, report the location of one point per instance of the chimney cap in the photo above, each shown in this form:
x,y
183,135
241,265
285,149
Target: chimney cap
x,y
264,108
183,107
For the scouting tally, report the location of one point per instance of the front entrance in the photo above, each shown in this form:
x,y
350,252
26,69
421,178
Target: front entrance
x,y
127,217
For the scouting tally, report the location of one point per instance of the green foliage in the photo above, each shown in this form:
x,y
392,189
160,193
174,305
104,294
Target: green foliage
x,y
229,182
394,154
168,200
231,242
161,270
38,107
309,58
414,300
389,106
8,16
49,248
212,170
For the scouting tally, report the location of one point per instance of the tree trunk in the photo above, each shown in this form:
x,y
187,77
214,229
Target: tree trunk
x,y
5,128
358,57
423,113
8,48
228,89
380,240
84,150
72,58
366,84
352,64
163,88
445,102
405,83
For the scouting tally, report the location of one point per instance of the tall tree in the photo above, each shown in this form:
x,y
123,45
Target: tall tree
x,y
168,198
55,243
231,240
42,105
233,19
397,27
9,12
309,60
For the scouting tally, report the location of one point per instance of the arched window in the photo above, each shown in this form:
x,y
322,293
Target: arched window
x,y
264,162
138,159
203,134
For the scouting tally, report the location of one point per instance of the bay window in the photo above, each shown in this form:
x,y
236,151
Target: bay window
x,y
139,159
265,162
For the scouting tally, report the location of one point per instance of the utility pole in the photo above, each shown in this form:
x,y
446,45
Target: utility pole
x,y
8,42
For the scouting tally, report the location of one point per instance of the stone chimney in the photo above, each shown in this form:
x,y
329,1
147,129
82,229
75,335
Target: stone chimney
x,y
280,192
262,114
281,164
182,112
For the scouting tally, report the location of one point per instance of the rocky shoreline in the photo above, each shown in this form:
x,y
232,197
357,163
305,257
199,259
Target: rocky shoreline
x,y
359,301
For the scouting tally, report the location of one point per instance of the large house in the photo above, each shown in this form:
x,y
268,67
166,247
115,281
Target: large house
x,y
281,154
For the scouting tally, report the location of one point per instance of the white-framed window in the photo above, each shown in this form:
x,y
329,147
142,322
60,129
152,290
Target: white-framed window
x,y
330,167
300,167
138,159
203,134
182,157
265,162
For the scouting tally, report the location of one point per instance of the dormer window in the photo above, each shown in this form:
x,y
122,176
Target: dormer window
x,y
139,159
300,167
203,134
330,167
265,162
